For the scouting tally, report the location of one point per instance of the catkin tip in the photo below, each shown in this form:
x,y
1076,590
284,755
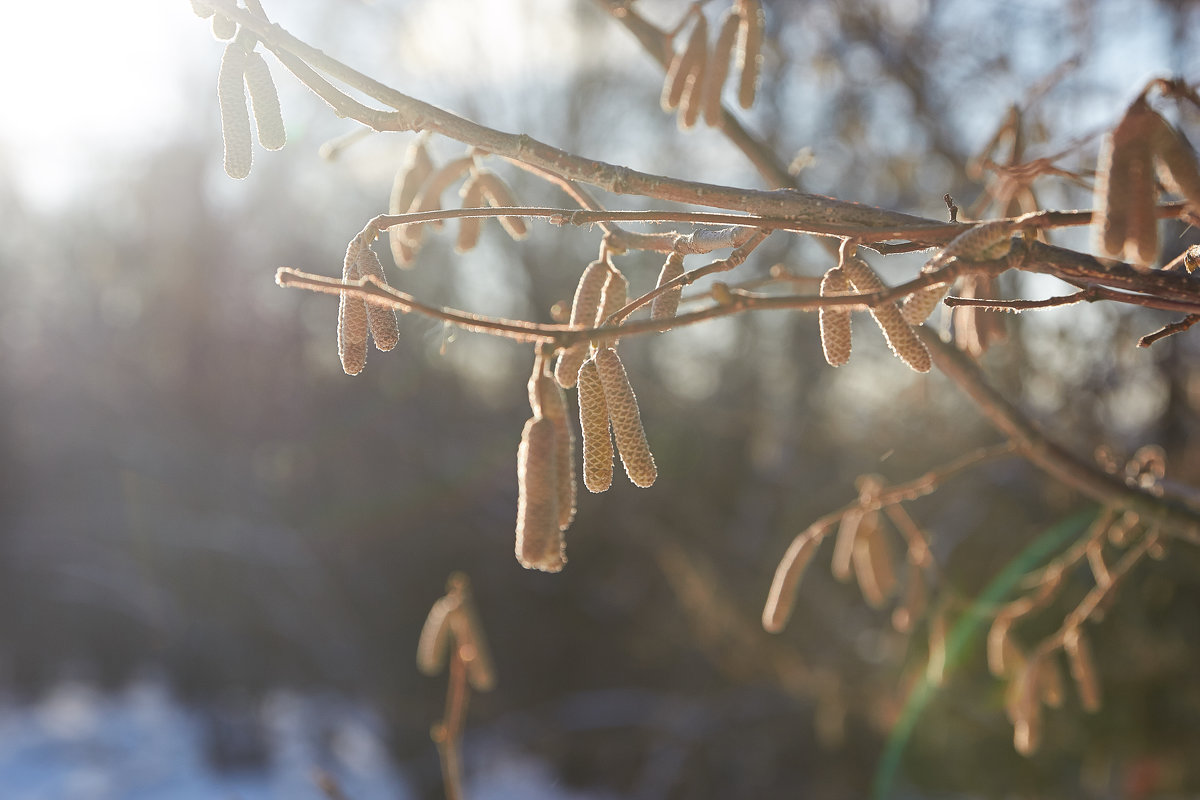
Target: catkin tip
x,y
626,419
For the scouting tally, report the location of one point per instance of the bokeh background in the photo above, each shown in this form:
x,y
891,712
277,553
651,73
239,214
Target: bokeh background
x,y
217,550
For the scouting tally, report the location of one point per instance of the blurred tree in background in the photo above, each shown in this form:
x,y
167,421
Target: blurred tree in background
x,y
190,482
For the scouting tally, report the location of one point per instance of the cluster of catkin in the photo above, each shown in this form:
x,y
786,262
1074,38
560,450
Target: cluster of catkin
x,y
419,186
1126,193
696,75
358,317
452,624
855,276
243,69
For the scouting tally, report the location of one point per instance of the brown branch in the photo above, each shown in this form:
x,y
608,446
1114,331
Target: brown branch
x,y
1089,295
1169,330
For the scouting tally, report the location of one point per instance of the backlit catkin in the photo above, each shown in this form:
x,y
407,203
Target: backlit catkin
x,y
665,305
1177,166
410,179
835,322
352,315
874,565
235,118
1083,669
547,399
381,319
469,641
594,426
584,310
718,66
498,195
917,307
843,545
223,27
899,334
983,242
691,102
539,542
749,50
1126,226
434,644
684,65
265,100
614,296
469,227
626,419
201,9
782,598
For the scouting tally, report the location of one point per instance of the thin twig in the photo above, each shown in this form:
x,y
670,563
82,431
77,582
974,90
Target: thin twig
x,y
1169,330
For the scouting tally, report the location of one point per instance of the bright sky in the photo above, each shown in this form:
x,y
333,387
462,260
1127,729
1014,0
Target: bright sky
x,y
83,79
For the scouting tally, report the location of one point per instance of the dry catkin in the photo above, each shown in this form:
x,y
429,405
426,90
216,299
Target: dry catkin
x,y
843,545
430,197
468,636
999,646
265,101
691,102
917,307
235,118
593,424
547,399
1125,189
1025,710
718,66
498,195
381,319
1177,166
782,598
410,179
874,564
665,305
434,644
749,50
1083,669
469,227
899,334
683,66
1050,681
982,242
626,419
223,27
352,315
905,616
835,322
539,542
584,310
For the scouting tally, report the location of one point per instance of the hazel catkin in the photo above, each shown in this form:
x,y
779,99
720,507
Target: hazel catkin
x,y
749,49
835,322
665,305
625,418
547,399
1126,226
899,334
718,66
539,543
409,181
585,308
498,195
381,320
782,598
235,118
264,98
594,427
352,315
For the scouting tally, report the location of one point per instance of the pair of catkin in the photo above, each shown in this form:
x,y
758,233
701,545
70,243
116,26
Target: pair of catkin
x,y
243,70
356,316
607,401
602,291
695,78
855,274
545,475
1125,193
452,621
985,241
485,187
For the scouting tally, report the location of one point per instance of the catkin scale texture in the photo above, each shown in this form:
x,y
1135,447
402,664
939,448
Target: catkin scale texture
x,y
385,330
235,118
665,305
594,425
1125,189
539,543
899,334
268,118
409,180
547,399
835,322
614,296
626,419
585,308
917,307
352,316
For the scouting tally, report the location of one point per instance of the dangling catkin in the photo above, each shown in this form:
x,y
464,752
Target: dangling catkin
x,y
1125,190
434,644
381,319
835,322
906,615
1083,669
665,305
223,28
613,297
1025,710
1050,681
683,66
917,307
1177,166
469,227
352,315
498,195
593,424
539,541
547,399
692,100
843,545
626,419
430,197
983,242
584,310
410,178
265,101
718,66
201,9
899,334
749,50
235,118
468,636
781,600
874,565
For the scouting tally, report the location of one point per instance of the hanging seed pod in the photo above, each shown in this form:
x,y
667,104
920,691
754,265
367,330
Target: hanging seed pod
x,y
201,9
626,419
1177,166
899,334
917,307
498,195
782,598
469,227
691,102
665,305
385,330
874,564
1083,669
352,315
835,322
594,427
434,644
547,399
684,65
223,28
410,179
469,641
235,119
265,100
585,308
718,66
1125,189
749,50
539,540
